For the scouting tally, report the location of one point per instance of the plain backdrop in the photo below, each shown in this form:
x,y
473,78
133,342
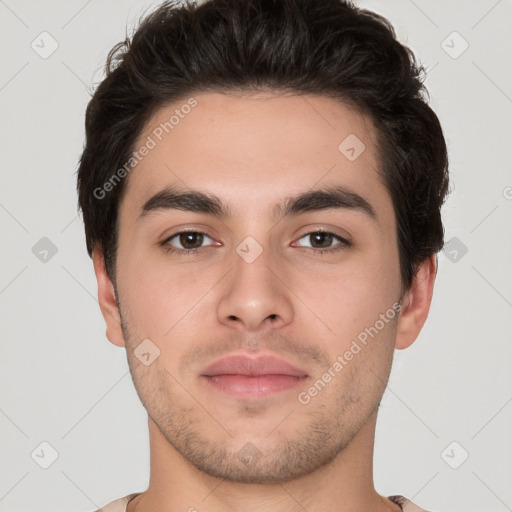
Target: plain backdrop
x,y
444,429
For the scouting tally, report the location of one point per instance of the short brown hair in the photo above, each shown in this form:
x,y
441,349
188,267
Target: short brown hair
x,y
322,47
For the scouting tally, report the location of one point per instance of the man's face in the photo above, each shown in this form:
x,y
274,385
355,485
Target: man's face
x,y
305,298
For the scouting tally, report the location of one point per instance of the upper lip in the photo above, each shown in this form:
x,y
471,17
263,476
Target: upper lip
x,y
243,364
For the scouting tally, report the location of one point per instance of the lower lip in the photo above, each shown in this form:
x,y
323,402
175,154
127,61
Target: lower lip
x,y
253,388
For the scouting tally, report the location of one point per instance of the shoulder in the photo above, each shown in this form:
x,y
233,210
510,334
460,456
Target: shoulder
x,y
407,505
118,505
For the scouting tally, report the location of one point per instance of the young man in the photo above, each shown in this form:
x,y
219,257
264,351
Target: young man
x,y
261,188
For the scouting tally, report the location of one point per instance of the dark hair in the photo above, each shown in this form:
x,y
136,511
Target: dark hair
x,y
322,47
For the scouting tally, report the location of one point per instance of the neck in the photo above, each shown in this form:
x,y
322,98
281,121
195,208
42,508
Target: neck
x,y
343,485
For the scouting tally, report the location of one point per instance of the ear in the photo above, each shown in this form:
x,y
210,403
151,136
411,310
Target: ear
x,y
107,300
416,304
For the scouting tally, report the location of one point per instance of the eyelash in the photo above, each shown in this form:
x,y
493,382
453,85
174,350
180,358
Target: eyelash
x,y
344,244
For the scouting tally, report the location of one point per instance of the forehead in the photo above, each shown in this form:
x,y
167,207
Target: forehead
x,y
255,149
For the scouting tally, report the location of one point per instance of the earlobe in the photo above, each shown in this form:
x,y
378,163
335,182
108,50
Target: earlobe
x,y
416,304
107,300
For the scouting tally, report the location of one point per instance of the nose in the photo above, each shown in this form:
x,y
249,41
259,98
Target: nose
x,y
255,296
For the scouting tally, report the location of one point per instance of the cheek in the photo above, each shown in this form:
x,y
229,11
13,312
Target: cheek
x,y
352,299
161,299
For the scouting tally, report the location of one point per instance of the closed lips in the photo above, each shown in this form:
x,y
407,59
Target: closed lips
x,y
240,364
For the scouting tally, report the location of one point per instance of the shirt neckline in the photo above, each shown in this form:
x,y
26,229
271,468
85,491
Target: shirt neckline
x,y
396,499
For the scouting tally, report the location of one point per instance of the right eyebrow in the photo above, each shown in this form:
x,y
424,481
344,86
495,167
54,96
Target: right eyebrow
x,y
193,201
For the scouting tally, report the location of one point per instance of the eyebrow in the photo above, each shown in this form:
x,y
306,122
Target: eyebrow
x,y
329,197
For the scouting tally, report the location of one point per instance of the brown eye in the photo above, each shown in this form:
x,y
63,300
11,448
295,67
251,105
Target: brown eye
x,y
186,241
324,240
192,240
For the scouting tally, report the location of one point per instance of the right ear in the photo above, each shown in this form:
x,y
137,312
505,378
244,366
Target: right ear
x,y
107,300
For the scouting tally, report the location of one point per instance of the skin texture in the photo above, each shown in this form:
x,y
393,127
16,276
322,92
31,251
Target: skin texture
x,y
253,151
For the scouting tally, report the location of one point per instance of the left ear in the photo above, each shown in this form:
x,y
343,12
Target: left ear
x,y
416,304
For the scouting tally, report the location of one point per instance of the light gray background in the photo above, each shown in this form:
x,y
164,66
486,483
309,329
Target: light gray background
x,y
63,383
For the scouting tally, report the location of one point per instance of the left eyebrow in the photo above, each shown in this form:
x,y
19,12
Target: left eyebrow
x,y
330,197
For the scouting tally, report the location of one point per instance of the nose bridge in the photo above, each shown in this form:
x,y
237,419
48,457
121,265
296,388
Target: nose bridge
x,y
254,294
